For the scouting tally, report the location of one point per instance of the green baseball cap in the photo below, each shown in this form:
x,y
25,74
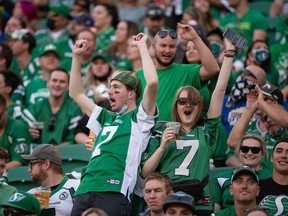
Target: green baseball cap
x,y
49,48
60,10
244,170
131,80
23,201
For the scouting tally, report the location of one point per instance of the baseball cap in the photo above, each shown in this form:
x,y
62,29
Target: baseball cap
x,y
85,19
245,169
49,48
273,92
280,140
131,80
23,201
154,11
60,10
46,152
180,198
24,35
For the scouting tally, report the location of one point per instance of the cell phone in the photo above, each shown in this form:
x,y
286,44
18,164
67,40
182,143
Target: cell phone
x,y
235,38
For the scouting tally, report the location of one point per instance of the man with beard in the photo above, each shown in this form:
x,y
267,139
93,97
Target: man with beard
x,y
245,188
274,190
157,186
172,76
46,170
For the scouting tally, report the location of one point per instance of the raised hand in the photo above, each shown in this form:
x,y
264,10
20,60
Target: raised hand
x,y
80,47
186,32
139,39
251,102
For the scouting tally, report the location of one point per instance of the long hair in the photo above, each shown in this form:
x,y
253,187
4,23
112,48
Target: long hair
x,y
191,93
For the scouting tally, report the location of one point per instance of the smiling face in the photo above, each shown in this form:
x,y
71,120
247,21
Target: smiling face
x,y
244,189
192,53
249,158
280,158
58,84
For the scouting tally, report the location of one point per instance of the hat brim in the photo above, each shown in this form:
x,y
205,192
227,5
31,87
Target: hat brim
x,y
51,51
29,157
244,171
181,203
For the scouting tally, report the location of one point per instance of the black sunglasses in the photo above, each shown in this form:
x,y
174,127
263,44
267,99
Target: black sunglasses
x,y
246,149
184,101
7,212
248,73
32,163
164,33
53,119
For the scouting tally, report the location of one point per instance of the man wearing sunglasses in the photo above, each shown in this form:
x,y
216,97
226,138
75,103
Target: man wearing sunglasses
x,y
46,170
58,112
274,190
172,76
21,204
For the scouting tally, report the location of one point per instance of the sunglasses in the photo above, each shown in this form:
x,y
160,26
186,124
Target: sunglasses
x,y
32,163
53,119
184,101
248,73
246,149
164,33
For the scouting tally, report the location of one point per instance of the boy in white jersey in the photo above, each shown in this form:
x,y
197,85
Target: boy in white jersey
x,y
122,136
46,170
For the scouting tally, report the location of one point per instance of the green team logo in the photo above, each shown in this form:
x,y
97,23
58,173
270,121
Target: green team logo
x,y
16,197
278,205
63,196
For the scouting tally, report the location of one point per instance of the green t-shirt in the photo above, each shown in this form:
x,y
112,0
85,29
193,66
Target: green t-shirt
x,y
225,212
30,72
15,111
105,38
191,151
35,92
58,128
116,153
16,139
6,191
246,25
170,80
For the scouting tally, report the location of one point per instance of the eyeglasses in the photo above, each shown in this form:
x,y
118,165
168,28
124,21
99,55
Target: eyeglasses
x,y
32,163
246,149
53,119
184,101
164,33
247,72
8,212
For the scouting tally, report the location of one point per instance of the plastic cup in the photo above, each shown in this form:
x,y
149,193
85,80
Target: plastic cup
x,y
176,128
39,126
43,193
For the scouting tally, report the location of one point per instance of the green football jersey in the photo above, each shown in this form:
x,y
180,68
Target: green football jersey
x,y
170,81
59,127
35,92
225,212
16,139
105,38
188,157
15,111
116,153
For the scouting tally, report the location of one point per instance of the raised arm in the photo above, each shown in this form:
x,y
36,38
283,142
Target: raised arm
x,y
75,86
217,98
210,66
150,74
240,128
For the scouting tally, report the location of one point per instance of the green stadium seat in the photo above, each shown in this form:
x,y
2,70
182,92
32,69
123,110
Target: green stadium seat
x,y
215,171
74,156
20,178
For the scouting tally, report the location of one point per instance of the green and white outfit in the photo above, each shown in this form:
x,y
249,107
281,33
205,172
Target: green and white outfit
x,y
105,38
116,153
188,157
15,111
16,139
66,120
35,92
170,80
61,197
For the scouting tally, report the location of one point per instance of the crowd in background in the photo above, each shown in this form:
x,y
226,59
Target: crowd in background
x,y
233,100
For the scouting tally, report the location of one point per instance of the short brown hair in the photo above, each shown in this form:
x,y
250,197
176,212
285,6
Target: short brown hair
x,y
160,177
4,154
